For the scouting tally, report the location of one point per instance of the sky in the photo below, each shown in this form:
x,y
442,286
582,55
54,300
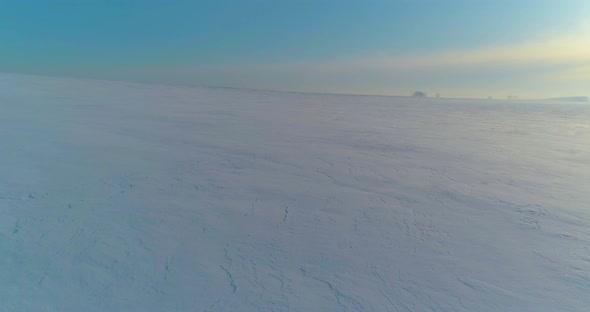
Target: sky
x,y
468,48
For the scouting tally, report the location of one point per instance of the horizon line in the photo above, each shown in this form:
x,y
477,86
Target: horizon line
x,y
186,84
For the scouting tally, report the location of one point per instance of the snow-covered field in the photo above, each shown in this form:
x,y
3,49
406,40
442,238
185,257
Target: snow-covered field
x,y
134,197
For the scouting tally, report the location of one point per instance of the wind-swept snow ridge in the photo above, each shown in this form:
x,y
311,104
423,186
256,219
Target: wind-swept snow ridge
x,y
133,197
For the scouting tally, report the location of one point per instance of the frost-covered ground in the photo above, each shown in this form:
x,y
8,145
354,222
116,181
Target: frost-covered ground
x,y
129,197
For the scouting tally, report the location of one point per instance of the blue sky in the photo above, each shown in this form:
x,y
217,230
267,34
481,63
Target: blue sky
x,y
528,48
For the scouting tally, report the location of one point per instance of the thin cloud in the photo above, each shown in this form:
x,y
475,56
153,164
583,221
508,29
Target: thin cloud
x,y
556,52
532,69
581,73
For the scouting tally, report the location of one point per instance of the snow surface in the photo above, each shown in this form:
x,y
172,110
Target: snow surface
x,y
135,197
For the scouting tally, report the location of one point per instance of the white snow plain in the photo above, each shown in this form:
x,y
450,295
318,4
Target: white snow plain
x,y
136,197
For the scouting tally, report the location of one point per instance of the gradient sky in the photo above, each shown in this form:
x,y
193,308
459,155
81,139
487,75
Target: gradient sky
x,y
470,48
